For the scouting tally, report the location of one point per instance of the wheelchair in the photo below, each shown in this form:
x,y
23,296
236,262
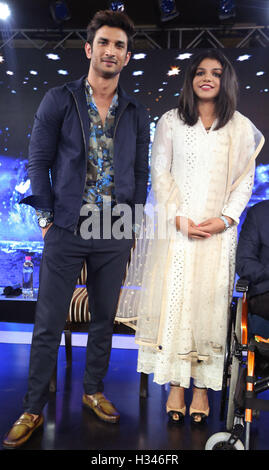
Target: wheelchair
x,y
245,374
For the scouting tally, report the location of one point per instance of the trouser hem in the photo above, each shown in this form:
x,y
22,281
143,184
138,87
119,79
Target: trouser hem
x,y
33,410
93,390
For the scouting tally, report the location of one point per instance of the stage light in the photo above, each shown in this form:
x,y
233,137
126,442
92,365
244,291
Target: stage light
x,y
137,72
168,10
52,56
117,6
4,11
139,56
243,57
173,71
226,9
186,55
59,11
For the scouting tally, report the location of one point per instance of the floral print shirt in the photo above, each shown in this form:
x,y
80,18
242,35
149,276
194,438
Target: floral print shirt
x,y
100,186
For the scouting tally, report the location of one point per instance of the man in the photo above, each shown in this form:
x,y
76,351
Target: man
x,y
252,264
89,146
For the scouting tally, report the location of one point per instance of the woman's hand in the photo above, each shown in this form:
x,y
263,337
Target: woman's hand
x,y
214,225
188,227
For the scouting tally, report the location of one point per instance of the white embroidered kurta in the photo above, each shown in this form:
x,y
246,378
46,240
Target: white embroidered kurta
x,y
187,284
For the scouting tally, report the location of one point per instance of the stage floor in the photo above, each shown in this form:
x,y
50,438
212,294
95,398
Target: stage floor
x,y
143,425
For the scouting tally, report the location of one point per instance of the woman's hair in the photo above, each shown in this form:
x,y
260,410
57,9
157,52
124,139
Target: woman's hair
x,y
114,19
225,102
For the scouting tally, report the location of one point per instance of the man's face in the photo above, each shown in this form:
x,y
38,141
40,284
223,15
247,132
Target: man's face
x,y
108,53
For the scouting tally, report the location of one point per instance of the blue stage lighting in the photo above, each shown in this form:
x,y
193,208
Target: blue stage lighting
x,y
4,11
117,6
226,9
59,11
168,10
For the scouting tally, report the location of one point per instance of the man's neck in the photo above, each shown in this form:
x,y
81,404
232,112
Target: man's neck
x,y
103,89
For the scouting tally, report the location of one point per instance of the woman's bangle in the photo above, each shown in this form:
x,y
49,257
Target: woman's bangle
x,y
226,223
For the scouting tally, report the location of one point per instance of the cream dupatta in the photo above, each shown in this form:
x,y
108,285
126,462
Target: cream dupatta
x,y
143,299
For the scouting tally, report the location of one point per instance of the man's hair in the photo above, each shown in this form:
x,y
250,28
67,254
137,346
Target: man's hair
x,y
114,19
225,102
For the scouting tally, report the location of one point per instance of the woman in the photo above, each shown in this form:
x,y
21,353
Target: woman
x,y
203,164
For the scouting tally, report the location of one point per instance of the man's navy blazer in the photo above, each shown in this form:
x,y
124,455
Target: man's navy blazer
x,y
58,152
252,260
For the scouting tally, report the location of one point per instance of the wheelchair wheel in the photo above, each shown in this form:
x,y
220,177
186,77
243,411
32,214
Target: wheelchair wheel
x,y
227,361
235,363
220,441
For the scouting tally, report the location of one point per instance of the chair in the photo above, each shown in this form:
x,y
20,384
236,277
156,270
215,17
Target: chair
x,y
78,320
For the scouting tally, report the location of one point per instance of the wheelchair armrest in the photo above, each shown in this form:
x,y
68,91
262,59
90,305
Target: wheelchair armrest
x,y
242,285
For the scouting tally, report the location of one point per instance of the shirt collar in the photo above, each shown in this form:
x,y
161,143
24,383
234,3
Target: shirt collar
x,y
89,89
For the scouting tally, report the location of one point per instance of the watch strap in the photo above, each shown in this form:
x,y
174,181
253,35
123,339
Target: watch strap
x,y
226,223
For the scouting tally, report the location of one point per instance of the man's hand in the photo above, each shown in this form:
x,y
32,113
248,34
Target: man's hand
x,y
188,227
44,230
214,225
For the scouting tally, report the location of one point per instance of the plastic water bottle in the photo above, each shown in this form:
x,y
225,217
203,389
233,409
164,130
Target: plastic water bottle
x,y
27,277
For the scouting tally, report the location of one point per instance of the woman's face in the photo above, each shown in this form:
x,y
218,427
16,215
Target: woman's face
x,y
206,82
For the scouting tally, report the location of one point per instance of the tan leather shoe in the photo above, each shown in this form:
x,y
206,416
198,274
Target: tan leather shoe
x,y
102,407
22,430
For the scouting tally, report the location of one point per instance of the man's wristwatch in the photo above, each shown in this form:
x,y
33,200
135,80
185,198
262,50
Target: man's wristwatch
x,y
43,222
44,217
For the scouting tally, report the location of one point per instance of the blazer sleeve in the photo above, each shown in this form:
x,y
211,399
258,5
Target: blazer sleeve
x,y
42,151
248,263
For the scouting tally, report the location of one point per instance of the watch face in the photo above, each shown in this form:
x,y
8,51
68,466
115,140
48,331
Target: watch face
x,y
43,222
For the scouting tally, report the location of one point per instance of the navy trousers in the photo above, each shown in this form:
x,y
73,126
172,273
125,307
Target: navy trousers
x,y
63,257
